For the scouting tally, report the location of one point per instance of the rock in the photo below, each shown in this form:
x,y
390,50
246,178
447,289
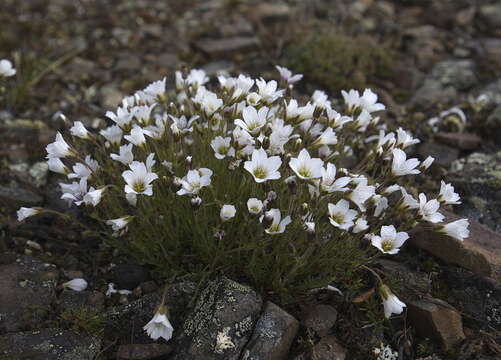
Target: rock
x,y
227,47
27,292
493,124
49,344
320,318
111,96
129,276
437,319
444,81
15,194
327,348
492,49
273,335
478,179
480,252
444,155
493,92
271,12
410,283
221,323
462,141
126,322
70,300
475,295
142,351
490,15
425,43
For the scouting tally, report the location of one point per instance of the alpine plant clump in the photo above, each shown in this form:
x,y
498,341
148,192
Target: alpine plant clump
x,y
238,177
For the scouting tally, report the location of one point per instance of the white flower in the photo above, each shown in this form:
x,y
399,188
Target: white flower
x,y
76,284
262,167
93,197
360,225
78,129
428,210
125,155
390,240
320,100
368,102
361,193
6,68
328,137
253,120
25,212
268,90
287,76
294,112
59,148
80,171
309,227
119,223
75,191
136,136
381,203
181,126
142,113
57,166
156,89
352,99
391,303
197,77
113,134
306,167
227,212
329,182
255,206
405,140
138,179
336,120
340,215
194,181
447,195
401,166
159,326
253,99
278,225
457,229
122,118
222,147
408,201
427,162
363,120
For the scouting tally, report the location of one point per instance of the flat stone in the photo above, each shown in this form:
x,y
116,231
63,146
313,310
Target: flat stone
x,y
27,292
480,252
273,335
71,300
444,155
462,141
320,318
271,12
221,323
129,276
478,179
16,194
142,351
125,323
436,318
228,46
328,348
49,344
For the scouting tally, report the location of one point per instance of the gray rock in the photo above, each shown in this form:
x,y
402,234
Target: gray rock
x,y
228,46
126,322
444,81
142,351
268,12
49,344
410,284
491,15
493,124
220,324
111,96
444,155
28,288
436,318
273,335
320,318
16,194
70,300
478,179
328,348
129,276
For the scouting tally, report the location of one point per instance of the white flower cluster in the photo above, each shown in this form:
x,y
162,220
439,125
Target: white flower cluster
x,y
6,68
249,152
385,352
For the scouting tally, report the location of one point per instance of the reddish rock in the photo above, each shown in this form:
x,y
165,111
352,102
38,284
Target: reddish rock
x,y
435,318
444,155
480,252
461,141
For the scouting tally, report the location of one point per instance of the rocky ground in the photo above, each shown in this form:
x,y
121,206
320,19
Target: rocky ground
x,y
81,57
